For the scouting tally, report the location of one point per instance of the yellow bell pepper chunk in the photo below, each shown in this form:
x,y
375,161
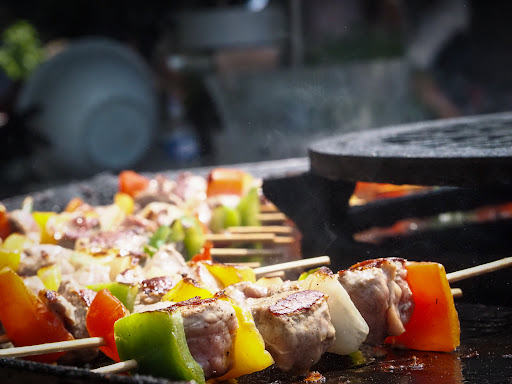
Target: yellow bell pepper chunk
x,y
125,202
41,218
11,248
186,289
249,353
50,276
9,259
17,242
230,274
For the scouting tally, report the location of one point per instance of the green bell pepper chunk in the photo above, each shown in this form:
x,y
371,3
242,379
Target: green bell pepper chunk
x,y
156,340
160,237
194,236
224,217
177,232
304,275
125,293
249,208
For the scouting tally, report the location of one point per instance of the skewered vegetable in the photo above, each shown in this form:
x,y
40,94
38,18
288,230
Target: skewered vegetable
x,y
27,321
156,340
103,313
434,324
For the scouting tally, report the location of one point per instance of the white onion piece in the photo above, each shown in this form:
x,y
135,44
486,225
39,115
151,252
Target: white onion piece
x,y
351,328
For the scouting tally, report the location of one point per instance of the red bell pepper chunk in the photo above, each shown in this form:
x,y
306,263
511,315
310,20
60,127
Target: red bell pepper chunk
x,y
434,324
103,312
27,321
132,183
205,254
5,227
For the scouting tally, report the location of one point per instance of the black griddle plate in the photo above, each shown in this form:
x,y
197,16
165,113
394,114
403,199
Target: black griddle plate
x,y
470,151
485,356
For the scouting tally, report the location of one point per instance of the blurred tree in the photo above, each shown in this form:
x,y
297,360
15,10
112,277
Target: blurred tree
x,y
21,51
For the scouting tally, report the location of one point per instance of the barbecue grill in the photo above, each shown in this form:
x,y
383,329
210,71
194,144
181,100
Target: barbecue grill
x,y
314,192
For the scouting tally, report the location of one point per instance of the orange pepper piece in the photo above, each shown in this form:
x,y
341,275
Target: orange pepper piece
x,y
205,254
5,227
131,183
74,204
27,321
225,181
434,324
103,312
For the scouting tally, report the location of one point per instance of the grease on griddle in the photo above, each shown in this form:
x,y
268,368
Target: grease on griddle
x,y
409,364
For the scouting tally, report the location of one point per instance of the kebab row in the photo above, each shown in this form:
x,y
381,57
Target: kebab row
x,y
233,332
212,320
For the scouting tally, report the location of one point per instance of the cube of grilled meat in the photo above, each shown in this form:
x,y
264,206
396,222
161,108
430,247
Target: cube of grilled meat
x,y
201,274
68,227
128,241
42,255
160,189
80,298
244,290
22,221
34,283
379,290
167,261
296,327
152,290
161,213
210,326
70,304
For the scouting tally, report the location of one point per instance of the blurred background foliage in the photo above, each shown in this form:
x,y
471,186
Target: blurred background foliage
x,y
21,51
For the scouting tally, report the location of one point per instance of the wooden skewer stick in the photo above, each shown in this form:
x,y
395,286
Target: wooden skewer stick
x,y
249,238
268,208
271,217
240,252
123,366
59,346
304,263
277,229
250,264
242,238
456,293
479,270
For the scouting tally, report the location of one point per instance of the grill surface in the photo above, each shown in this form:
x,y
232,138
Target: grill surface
x,y
461,152
484,357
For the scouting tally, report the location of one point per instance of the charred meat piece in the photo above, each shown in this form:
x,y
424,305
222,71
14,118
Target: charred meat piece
x,y
70,304
42,255
160,189
244,290
201,274
152,290
161,213
67,227
130,241
22,221
167,261
296,327
80,298
210,325
380,292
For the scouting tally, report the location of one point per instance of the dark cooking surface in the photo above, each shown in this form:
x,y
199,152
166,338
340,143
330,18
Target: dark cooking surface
x,y
466,151
485,356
